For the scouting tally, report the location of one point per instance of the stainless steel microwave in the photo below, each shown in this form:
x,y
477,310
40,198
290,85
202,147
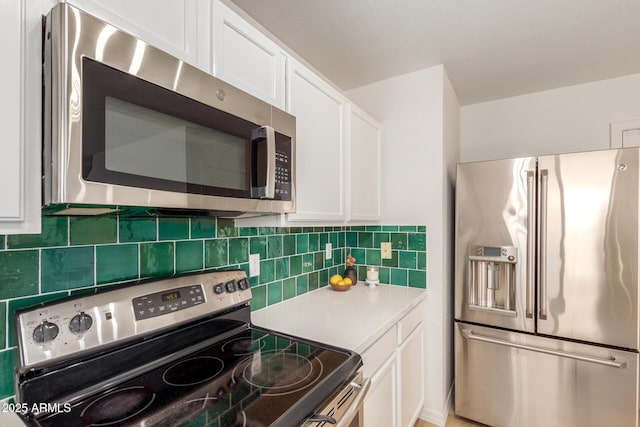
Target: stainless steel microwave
x,y
126,124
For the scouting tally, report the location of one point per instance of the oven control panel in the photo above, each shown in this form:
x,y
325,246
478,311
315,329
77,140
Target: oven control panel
x,y
57,330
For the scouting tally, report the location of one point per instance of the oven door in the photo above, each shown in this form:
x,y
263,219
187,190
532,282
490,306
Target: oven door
x,y
345,408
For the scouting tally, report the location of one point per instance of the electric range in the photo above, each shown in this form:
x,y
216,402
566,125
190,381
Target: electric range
x,y
174,352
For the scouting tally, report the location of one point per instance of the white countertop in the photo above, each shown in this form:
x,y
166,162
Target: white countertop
x,y
354,319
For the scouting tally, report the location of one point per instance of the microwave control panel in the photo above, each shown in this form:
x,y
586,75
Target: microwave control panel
x,y
284,173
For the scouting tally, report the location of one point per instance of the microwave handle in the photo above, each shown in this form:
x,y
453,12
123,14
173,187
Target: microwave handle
x,y
266,135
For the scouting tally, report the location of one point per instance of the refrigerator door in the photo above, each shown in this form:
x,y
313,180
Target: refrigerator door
x,y
494,261
515,379
588,236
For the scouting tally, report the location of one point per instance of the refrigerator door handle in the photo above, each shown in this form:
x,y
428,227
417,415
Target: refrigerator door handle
x,y
542,277
612,361
531,243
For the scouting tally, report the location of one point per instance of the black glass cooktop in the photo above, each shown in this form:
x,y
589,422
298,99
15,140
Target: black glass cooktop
x,y
252,378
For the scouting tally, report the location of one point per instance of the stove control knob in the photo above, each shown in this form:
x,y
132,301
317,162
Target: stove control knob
x,y
46,331
243,284
231,286
81,322
218,289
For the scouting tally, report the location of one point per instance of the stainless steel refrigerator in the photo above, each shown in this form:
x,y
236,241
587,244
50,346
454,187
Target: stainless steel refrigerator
x,y
546,290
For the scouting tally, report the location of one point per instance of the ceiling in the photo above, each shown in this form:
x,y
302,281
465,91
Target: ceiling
x,y
490,48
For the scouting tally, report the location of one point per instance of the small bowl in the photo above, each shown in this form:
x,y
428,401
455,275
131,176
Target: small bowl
x,y
341,288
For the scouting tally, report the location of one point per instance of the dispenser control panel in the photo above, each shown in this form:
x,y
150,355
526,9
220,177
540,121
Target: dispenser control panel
x,y
493,253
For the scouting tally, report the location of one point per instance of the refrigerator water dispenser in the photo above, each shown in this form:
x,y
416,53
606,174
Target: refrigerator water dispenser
x,y
492,278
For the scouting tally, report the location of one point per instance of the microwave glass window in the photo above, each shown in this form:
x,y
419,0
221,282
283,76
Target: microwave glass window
x,y
145,142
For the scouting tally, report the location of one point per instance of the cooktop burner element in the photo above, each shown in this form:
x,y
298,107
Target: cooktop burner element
x,y
242,346
212,368
193,371
117,407
279,372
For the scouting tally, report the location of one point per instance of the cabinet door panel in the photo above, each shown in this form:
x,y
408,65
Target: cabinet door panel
x,y
170,25
246,58
380,404
364,170
319,111
411,368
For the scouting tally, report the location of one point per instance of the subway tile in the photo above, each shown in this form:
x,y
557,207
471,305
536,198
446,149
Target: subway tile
x,y
137,230
282,268
384,274
407,259
116,263
422,229
359,255
422,260
333,239
365,239
295,230
173,228
295,265
267,271
308,230
389,228
248,231
398,277
373,257
266,231
3,239
398,240
288,288
203,227
274,246
156,259
307,263
302,284
238,250
93,230
380,237
274,292
341,239
226,228
302,243
313,280
53,233
418,279
18,273
258,245
314,242
216,253
323,277
259,299
373,227
66,268
362,271
408,228
358,228
288,244
8,359
391,262
351,239
189,256
3,325
324,239
417,241
318,260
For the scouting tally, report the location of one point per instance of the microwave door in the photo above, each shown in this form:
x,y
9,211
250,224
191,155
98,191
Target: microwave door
x,y
263,163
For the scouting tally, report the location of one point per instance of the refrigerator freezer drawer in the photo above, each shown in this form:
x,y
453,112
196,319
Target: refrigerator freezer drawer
x,y
513,379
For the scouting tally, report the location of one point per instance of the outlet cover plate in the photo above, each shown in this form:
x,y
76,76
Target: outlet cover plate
x,y
385,250
254,265
328,253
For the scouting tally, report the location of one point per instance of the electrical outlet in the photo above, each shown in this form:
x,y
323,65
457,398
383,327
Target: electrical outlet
x,y
328,253
254,265
385,250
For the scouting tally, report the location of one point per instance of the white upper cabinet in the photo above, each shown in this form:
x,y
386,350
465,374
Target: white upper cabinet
x,y
363,197
20,106
320,114
171,25
246,58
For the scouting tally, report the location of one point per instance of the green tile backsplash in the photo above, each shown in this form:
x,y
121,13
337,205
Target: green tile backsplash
x,y
75,254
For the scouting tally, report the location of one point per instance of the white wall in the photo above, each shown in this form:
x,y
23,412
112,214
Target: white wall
x,y
417,142
573,118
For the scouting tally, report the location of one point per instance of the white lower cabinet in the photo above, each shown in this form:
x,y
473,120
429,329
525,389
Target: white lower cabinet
x,y
380,406
395,364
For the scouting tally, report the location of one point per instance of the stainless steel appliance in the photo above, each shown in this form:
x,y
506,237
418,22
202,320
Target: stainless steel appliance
x,y
546,290
174,352
126,124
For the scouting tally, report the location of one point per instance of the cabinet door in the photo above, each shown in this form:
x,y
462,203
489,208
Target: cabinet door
x,y
246,58
170,25
411,368
380,405
320,113
21,47
363,198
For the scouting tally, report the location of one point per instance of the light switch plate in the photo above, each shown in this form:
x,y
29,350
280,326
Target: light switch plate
x,y
328,254
385,250
254,265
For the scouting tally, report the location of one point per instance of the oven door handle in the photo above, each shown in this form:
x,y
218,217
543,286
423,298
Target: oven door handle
x,y
356,405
